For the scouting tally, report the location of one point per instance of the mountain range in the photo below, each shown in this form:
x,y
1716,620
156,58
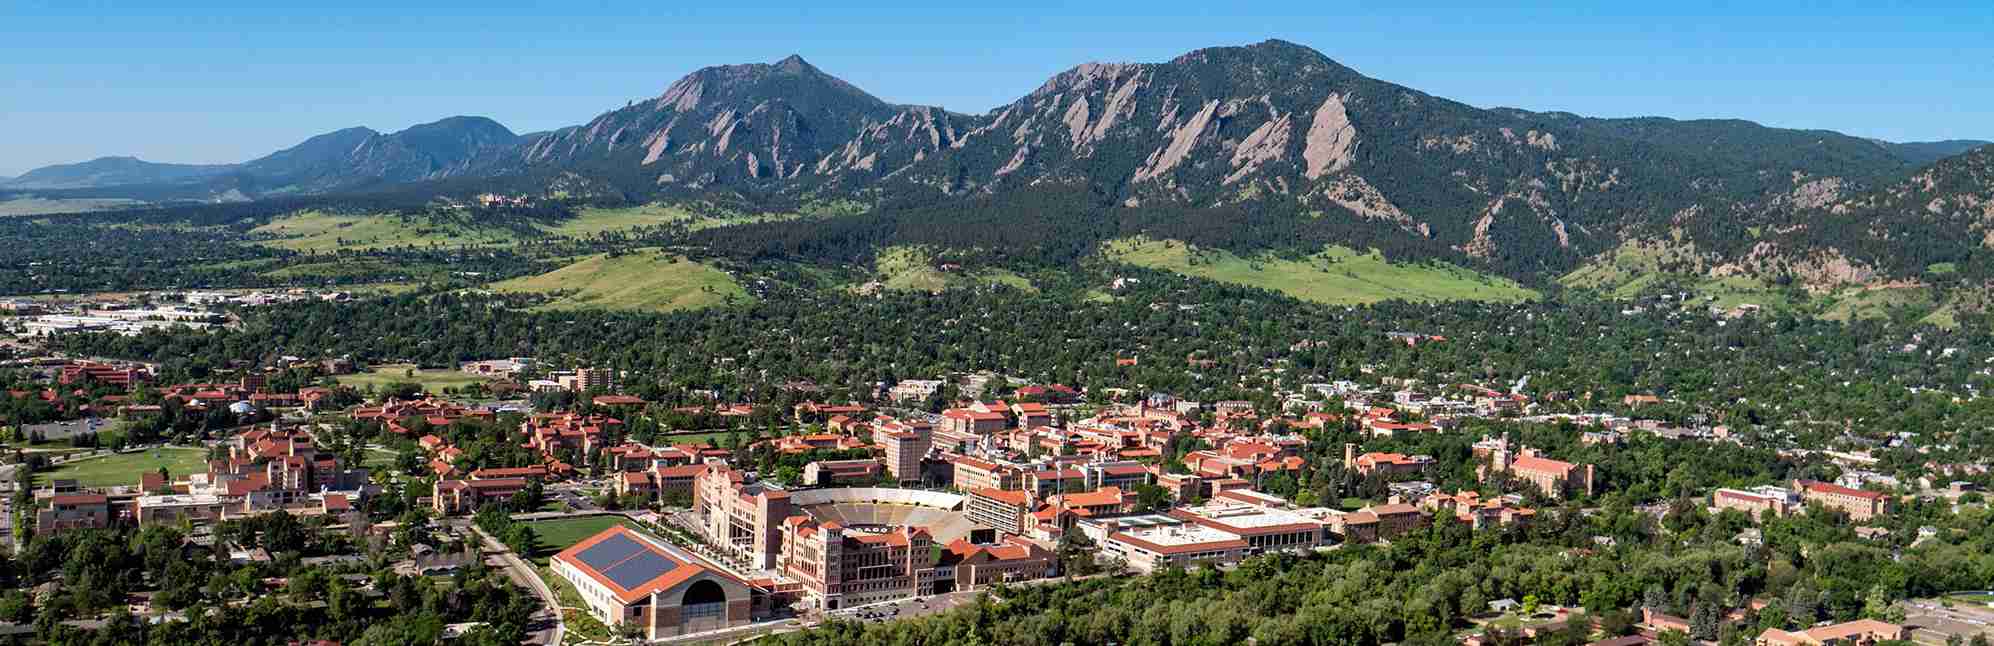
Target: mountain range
x,y
339,160
1271,126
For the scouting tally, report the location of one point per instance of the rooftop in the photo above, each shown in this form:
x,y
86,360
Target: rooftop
x,y
1171,539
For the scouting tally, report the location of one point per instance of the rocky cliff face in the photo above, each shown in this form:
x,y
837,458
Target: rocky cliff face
x,y
1269,127
1227,125
741,127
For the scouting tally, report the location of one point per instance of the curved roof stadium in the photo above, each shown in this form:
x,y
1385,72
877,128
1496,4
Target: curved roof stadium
x,y
880,508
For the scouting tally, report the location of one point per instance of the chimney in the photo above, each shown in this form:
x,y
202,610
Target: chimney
x,y
1349,455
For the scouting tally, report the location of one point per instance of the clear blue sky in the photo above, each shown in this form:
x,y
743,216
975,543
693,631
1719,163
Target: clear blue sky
x,y
227,81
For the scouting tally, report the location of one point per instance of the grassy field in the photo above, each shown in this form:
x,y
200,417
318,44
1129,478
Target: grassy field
x,y
557,535
1337,275
645,279
323,232
591,221
1635,267
124,469
1863,303
700,438
910,268
40,206
433,380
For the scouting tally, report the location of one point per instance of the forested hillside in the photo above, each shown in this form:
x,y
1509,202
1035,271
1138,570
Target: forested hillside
x,y
1266,148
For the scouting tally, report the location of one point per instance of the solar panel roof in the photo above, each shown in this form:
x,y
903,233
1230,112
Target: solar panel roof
x,y
604,554
639,569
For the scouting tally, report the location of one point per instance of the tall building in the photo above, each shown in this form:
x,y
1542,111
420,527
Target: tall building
x,y
741,516
841,567
904,449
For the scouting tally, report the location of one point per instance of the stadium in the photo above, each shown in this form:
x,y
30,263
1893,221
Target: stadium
x,y
879,510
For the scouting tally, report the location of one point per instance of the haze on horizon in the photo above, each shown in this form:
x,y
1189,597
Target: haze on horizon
x,y
230,81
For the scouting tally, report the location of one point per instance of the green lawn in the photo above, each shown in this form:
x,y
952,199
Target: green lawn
x,y
557,535
433,380
644,279
323,232
378,459
1337,275
124,469
700,438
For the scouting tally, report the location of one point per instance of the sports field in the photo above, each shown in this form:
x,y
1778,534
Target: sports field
x,y
124,468
432,379
557,535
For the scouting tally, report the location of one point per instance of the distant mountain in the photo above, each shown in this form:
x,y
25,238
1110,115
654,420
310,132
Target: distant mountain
x,y
1271,123
1925,152
359,156
1944,213
112,171
1263,132
342,159
731,126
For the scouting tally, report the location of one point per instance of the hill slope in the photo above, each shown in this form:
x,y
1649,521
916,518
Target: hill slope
x,y
639,280
112,171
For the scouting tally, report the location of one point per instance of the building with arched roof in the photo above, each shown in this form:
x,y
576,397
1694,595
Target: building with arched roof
x,y
627,578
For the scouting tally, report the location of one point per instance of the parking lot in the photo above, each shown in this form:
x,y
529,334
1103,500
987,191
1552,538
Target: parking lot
x,y
62,431
1932,621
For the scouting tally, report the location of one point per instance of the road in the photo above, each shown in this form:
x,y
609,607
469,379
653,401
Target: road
x,y
522,573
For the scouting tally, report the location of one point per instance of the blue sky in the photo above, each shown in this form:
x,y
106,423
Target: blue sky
x,y
228,81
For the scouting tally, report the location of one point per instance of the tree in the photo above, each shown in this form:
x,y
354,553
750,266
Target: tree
x,y
521,539
1655,598
1879,606
1802,605
1704,619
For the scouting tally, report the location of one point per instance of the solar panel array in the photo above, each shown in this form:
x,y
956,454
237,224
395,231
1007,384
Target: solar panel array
x,y
638,569
625,561
604,554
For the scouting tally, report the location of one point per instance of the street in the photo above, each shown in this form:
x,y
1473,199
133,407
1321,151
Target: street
x,y
546,624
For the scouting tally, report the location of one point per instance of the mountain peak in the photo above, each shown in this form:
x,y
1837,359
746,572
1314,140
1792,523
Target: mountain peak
x,y
1266,50
794,64
462,123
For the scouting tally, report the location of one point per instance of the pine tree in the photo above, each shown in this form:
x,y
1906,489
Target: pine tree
x,y
1655,598
1703,620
